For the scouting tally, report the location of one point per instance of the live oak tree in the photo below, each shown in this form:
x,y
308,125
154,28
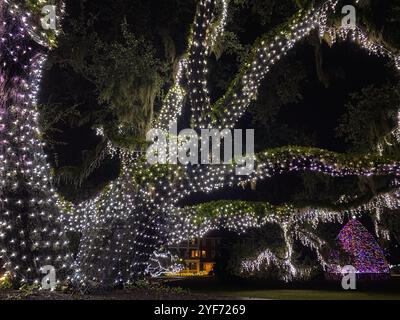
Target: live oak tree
x,y
139,212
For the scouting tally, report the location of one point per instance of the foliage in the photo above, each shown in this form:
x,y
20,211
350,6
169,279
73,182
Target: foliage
x,y
34,7
236,249
113,63
123,62
125,73
214,209
282,87
390,218
369,116
157,287
267,12
6,282
28,289
350,160
149,175
382,19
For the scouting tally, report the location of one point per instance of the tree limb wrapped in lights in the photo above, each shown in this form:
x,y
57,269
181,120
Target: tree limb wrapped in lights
x,y
240,216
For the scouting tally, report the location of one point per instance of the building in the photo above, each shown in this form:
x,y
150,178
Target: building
x,y
197,255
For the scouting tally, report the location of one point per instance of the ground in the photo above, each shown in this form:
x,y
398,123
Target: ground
x,y
301,294
142,294
319,290
210,289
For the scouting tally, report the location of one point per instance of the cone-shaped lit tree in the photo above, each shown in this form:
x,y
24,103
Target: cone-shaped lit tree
x,y
30,237
365,253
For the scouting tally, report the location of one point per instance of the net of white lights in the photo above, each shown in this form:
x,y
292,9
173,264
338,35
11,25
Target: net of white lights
x,y
30,233
124,227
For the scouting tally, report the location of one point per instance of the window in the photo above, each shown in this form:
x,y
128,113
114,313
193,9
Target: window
x,y
195,254
208,267
192,266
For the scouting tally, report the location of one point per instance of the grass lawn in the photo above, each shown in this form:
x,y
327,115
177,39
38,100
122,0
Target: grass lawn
x,y
388,290
301,294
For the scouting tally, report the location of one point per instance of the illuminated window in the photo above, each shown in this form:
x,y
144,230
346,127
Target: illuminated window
x,y
195,254
203,253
